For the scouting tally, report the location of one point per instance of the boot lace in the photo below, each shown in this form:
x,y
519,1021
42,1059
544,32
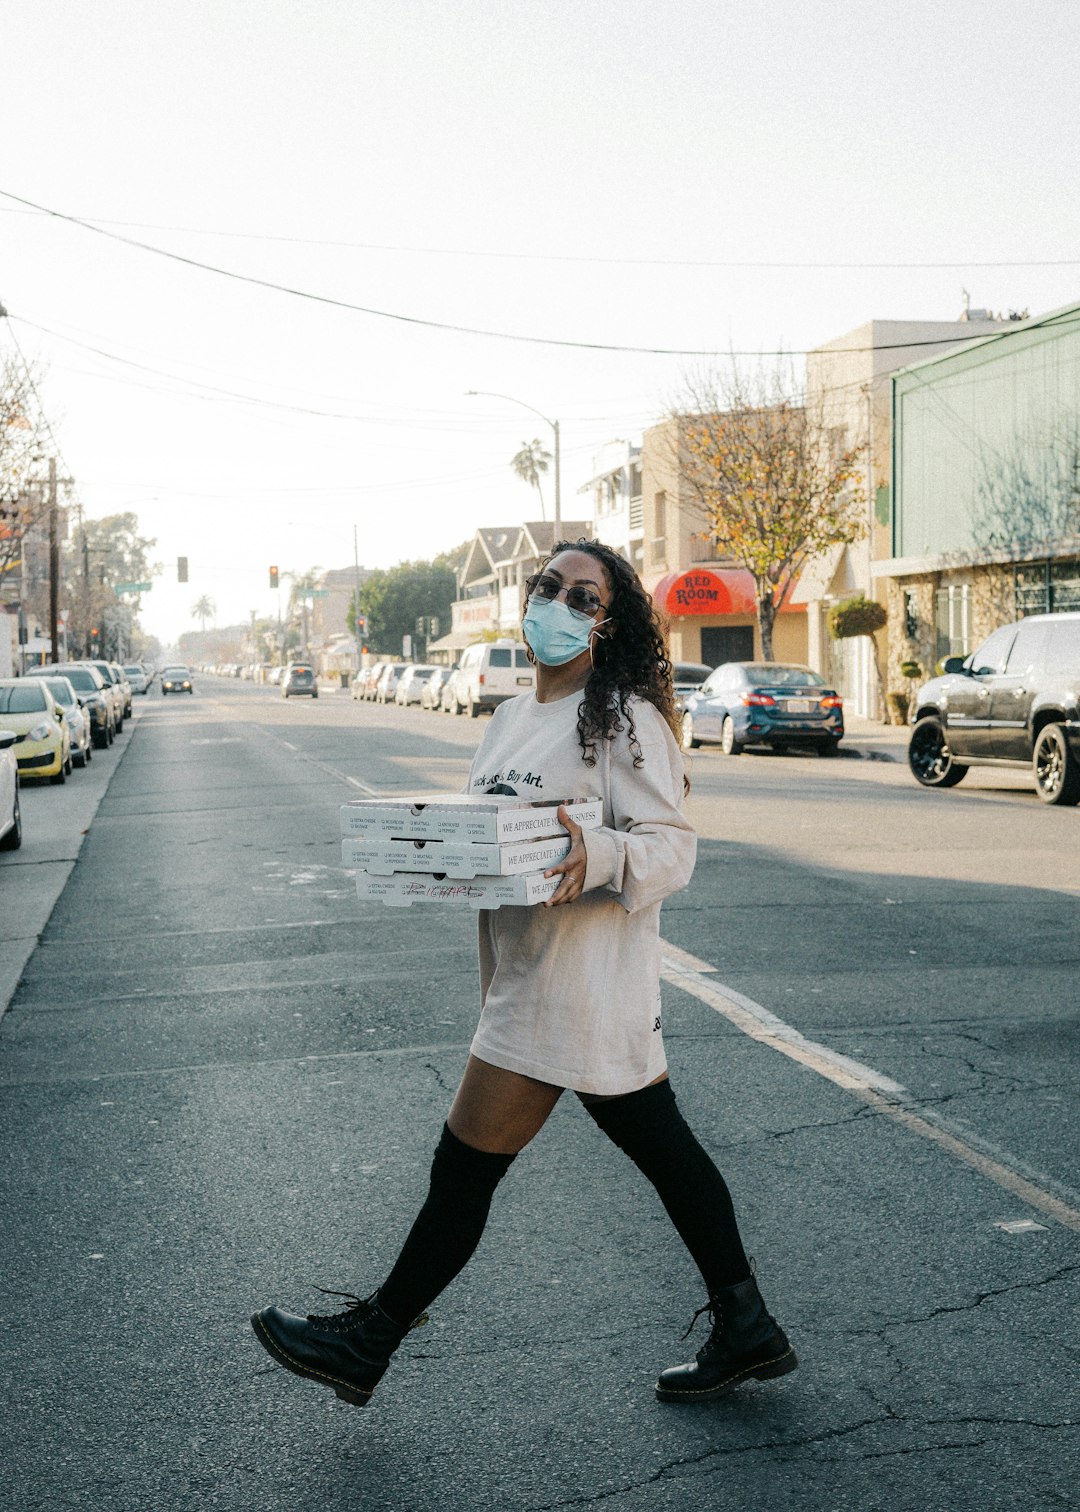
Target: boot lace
x,y
357,1312
714,1317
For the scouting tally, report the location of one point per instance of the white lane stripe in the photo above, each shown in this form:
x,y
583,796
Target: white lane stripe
x,y
322,766
879,1092
762,1025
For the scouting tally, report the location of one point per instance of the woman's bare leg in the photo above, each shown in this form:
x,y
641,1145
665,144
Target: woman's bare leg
x,y
499,1111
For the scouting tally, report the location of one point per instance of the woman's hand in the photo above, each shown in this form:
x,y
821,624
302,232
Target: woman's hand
x,y
572,865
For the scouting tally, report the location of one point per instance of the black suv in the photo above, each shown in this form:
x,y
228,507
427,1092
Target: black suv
x,y
1015,702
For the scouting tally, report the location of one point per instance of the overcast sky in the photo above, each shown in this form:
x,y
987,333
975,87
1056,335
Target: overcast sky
x,y
682,175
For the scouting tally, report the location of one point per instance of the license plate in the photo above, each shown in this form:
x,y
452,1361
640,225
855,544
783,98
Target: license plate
x,y
524,682
797,705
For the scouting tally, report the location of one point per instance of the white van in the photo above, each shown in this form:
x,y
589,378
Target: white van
x,y
491,672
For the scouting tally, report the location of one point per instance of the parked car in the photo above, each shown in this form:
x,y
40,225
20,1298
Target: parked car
x,y
176,680
411,683
43,744
363,684
82,744
763,703
10,815
115,691
687,678
491,672
95,696
448,696
125,686
135,673
389,678
299,681
431,692
1015,702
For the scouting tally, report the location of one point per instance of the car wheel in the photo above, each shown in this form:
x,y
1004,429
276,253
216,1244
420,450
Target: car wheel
x,y
929,757
830,747
728,743
472,709
88,754
111,735
13,839
69,766
1057,775
688,742
315,694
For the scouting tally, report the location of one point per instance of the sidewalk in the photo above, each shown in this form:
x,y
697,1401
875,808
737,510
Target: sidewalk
x,y
872,741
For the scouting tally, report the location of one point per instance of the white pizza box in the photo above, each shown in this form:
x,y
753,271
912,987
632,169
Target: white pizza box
x,y
452,858
487,818
403,889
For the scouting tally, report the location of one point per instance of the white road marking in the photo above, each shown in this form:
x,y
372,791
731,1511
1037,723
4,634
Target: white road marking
x,y
877,1091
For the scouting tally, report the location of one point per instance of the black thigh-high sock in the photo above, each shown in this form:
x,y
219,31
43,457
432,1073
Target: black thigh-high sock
x,y
447,1228
648,1126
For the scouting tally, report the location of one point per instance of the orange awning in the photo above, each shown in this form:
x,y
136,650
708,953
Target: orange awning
x,y
714,591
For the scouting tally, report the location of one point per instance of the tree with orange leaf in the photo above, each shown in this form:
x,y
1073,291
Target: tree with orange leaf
x,y
776,487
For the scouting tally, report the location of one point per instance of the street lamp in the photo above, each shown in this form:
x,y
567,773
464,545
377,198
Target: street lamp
x,y
485,394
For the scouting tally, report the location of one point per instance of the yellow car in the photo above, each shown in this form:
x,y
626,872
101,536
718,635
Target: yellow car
x,y
43,747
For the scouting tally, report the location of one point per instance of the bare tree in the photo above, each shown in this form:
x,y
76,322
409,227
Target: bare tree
x,y
774,485
24,500
529,463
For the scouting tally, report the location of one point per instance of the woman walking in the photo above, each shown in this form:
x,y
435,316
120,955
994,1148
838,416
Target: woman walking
x,y
570,992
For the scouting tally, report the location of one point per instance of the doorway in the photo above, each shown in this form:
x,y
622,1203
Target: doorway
x,y
725,643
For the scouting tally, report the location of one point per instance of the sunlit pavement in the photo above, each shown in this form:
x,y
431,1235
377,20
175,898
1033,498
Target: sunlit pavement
x,y
223,1078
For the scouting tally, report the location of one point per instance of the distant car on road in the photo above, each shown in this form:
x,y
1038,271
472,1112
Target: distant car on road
x,y
1015,702
10,815
299,681
115,691
176,680
135,673
490,673
125,686
43,746
764,703
78,718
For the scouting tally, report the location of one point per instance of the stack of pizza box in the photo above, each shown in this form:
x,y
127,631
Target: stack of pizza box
x,y
485,850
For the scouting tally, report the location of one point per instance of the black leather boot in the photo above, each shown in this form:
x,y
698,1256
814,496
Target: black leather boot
x,y
745,1341
348,1351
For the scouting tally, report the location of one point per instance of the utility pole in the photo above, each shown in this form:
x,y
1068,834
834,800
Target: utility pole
x,y
356,616
54,569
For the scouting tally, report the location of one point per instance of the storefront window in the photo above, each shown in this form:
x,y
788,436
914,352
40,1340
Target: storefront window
x,y
1047,587
953,637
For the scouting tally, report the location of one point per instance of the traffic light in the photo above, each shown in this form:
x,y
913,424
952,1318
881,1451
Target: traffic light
x,y
274,577
181,569
95,634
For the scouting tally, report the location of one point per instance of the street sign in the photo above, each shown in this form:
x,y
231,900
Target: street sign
x,y
133,588
316,593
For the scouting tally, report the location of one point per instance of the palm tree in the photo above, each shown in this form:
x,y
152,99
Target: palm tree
x,y
530,462
203,609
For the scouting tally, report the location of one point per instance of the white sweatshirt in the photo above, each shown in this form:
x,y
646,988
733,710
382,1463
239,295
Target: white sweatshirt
x,y
571,994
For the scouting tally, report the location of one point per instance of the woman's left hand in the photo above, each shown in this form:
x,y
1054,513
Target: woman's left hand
x,y
572,865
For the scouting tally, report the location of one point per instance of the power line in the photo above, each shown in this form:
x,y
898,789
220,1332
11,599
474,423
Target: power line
x,y
97,222
423,323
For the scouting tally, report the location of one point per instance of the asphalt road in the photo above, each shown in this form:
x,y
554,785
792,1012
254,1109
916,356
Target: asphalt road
x,y
221,1079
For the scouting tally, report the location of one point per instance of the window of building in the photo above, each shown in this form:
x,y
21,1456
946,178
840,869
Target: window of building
x,y
911,613
953,627
1047,587
658,552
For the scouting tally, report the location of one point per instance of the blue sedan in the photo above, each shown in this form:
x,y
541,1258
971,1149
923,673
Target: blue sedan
x,y
763,703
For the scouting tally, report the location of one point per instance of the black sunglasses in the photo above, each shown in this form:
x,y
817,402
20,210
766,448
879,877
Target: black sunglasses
x,y
546,588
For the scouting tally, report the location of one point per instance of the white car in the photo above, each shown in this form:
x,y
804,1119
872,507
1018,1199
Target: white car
x,y
490,673
10,817
135,673
412,682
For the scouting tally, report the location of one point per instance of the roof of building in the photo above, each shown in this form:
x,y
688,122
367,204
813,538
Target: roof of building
x,y
1067,315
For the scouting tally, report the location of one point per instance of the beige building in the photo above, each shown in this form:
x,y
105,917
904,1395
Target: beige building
x,y
709,601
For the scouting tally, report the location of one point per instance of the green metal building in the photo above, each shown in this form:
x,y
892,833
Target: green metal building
x,y
985,488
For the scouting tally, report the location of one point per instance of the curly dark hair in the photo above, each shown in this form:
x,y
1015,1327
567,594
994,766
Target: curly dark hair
x,y
633,660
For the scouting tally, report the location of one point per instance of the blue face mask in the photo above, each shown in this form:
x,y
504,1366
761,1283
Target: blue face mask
x,y
556,633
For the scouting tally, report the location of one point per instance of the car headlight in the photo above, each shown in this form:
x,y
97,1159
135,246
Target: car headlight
x,y
40,731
